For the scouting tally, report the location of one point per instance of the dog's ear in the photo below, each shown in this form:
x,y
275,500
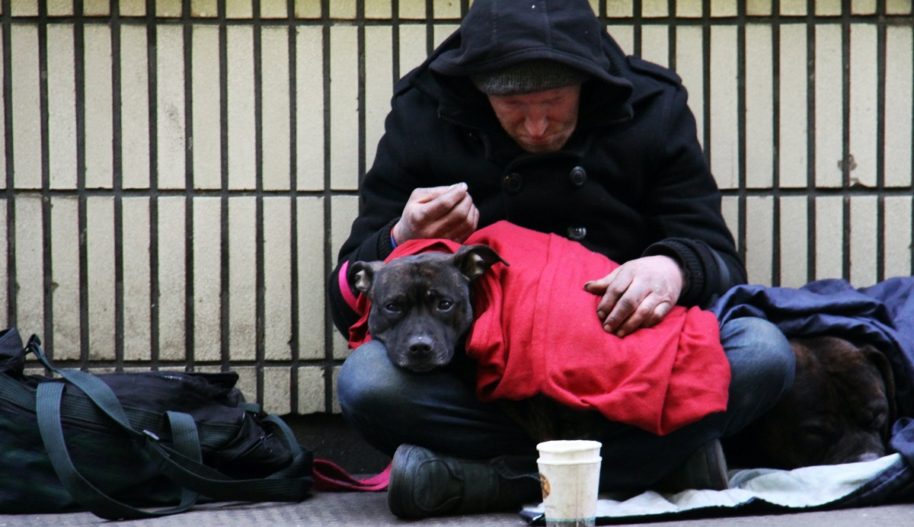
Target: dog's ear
x,y
361,274
474,260
885,368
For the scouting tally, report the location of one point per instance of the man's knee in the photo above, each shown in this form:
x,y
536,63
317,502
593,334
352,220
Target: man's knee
x,y
368,382
762,363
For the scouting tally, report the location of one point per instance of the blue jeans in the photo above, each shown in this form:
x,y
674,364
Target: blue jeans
x,y
439,410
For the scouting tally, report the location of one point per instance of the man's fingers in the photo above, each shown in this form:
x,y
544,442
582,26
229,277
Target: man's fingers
x,y
628,297
661,311
648,314
442,205
451,197
639,293
620,312
438,212
427,194
460,222
474,218
433,212
459,213
598,287
468,226
613,288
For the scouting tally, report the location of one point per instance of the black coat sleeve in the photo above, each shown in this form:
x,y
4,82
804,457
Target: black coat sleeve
x,y
686,206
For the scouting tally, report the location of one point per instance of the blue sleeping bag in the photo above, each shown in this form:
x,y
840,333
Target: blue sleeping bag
x,y
882,315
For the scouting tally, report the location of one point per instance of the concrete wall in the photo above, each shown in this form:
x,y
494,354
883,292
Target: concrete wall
x,y
178,175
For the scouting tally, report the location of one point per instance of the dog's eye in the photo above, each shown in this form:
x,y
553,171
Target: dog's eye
x,y
816,434
445,305
878,419
393,307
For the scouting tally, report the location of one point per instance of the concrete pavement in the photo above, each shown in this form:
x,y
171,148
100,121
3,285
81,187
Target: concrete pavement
x,y
370,510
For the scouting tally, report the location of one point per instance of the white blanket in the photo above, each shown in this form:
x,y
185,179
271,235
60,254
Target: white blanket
x,y
799,489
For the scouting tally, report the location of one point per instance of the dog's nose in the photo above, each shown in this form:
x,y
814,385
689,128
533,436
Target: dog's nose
x,y
420,349
868,456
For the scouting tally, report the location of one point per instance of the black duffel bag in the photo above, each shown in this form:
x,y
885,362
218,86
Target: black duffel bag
x,y
112,443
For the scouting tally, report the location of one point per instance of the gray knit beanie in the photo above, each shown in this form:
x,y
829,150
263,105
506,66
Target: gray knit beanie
x,y
526,77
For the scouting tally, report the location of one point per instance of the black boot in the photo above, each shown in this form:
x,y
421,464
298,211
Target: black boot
x,y
706,468
424,484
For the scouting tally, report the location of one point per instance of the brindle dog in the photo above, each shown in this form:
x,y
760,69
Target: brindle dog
x,y
839,409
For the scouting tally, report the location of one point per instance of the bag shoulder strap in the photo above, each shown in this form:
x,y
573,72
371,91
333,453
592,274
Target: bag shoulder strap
x,y
83,491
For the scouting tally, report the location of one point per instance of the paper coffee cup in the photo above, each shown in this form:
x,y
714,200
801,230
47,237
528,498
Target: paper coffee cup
x,y
570,477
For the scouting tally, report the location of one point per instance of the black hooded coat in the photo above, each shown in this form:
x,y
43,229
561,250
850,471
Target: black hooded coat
x,y
631,181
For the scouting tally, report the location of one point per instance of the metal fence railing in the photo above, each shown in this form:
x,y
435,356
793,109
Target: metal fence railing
x,y
178,174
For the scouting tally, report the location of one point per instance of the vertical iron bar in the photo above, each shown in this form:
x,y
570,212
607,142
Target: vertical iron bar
x,y
395,36
360,65
706,77
429,26
845,139
260,308
189,224
11,290
155,352
880,139
44,148
224,246
328,200
811,140
638,20
294,306
776,137
79,86
741,131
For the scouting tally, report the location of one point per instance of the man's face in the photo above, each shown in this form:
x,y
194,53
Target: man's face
x,y
539,121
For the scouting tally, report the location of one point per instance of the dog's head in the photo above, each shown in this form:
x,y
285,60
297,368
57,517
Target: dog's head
x,y
420,304
839,409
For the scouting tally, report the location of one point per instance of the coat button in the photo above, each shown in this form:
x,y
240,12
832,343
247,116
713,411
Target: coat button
x,y
578,176
577,233
512,182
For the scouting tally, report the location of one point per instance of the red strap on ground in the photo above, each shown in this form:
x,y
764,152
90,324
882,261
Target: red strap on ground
x,y
328,476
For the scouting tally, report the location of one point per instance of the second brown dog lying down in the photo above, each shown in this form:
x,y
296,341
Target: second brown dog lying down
x,y
839,409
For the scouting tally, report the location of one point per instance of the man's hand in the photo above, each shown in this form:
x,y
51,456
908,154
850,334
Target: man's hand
x,y
638,294
438,212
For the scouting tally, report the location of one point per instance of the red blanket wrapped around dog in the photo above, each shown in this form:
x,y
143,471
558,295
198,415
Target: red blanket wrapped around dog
x,y
536,332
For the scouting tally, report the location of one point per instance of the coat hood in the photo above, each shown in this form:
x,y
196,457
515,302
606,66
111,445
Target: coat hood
x,y
496,34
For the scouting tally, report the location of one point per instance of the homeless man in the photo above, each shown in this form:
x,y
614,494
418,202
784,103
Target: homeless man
x,y
531,113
